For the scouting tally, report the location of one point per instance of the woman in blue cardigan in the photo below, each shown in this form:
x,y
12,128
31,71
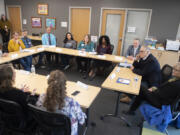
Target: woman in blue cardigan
x,y
85,46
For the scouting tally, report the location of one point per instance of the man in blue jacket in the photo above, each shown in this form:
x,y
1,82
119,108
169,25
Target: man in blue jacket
x,y
47,39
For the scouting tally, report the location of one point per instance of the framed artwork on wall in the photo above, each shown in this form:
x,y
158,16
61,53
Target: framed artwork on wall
x,y
43,9
51,22
36,22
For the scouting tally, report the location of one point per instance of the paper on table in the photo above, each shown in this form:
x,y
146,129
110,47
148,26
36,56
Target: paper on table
x,y
24,72
29,50
112,76
83,85
117,69
40,49
118,58
58,49
52,46
101,56
82,53
46,46
93,53
14,56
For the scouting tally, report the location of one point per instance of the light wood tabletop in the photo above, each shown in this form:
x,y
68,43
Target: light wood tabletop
x,y
41,48
39,82
125,73
18,54
73,52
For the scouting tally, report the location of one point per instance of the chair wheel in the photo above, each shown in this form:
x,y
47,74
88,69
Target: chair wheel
x,y
101,118
128,125
93,124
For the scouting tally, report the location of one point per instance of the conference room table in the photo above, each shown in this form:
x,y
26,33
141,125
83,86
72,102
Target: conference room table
x,y
44,48
122,80
85,98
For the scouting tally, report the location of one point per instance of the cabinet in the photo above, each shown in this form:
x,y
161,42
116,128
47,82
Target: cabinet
x,y
166,57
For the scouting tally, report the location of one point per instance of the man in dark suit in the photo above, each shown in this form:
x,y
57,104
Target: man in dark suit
x,y
133,50
148,67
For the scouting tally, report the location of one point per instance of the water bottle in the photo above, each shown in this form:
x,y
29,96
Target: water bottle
x,y
93,50
135,81
20,49
33,70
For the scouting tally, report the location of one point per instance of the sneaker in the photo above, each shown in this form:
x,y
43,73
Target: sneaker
x,y
66,67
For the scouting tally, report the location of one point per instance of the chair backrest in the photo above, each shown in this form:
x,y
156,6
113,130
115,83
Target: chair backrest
x,y
12,114
175,107
166,73
35,34
112,48
50,122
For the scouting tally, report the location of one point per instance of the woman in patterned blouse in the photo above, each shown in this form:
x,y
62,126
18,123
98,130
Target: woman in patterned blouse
x,y
55,100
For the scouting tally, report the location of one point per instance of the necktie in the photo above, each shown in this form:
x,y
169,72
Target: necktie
x,y
49,38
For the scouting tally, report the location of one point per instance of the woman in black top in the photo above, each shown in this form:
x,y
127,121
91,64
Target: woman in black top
x,y
165,94
70,43
104,47
8,92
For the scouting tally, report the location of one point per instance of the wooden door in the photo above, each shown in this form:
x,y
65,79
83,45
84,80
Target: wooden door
x,y
116,22
14,15
80,22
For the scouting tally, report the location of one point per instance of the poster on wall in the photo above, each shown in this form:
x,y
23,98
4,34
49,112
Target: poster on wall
x,y
51,22
36,22
43,9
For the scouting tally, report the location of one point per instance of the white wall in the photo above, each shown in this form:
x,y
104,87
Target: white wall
x,y
2,8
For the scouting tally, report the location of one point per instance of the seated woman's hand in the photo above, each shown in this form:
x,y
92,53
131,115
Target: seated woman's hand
x,y
5,54
150,89
25,88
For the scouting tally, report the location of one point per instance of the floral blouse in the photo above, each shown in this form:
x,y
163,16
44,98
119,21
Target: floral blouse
x,y
71,109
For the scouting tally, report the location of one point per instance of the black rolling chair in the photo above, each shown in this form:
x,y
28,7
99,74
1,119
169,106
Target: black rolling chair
x,y
112,48
13,119
166,73
111,65
50,123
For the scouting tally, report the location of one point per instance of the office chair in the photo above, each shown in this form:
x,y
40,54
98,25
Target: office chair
x,y
50,123
175,111
166,73
36,42
111,65
13,119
